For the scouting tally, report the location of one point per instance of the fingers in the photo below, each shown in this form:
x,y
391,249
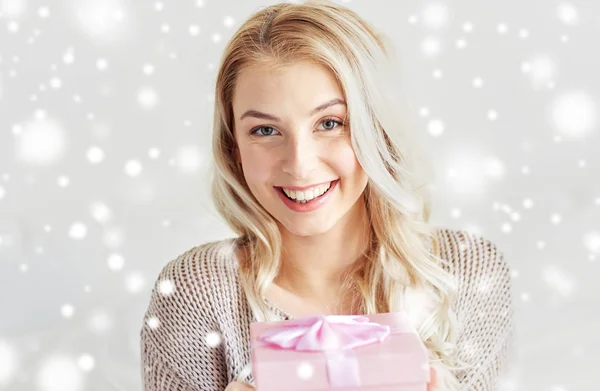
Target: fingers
x,y
238,386
433,380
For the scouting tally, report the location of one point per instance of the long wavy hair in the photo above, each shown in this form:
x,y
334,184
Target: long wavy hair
x,y
403,255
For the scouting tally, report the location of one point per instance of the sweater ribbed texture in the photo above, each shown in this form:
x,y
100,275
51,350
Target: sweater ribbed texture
x,y
195,336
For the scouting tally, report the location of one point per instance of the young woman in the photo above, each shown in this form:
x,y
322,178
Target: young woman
x,y
327,193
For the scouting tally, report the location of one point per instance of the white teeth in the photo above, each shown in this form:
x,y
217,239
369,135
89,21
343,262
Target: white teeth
x,y
308,194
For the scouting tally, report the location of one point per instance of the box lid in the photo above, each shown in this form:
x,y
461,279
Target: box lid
x,y
399,359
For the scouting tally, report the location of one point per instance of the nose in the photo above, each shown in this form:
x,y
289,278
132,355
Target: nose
x,y
300,156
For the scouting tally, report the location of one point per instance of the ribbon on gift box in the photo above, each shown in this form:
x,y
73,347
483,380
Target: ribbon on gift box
x,y
334,335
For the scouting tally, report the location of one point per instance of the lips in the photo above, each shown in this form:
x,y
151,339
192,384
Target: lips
x,y
308,206
304,188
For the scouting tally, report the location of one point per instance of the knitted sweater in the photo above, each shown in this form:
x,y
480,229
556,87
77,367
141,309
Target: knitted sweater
x,y
195,334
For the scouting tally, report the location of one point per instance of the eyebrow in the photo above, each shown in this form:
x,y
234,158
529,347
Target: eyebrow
x,y
258,114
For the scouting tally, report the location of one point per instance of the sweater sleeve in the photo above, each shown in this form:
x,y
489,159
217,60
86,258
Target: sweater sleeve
x,y
179,343
485,311
157,376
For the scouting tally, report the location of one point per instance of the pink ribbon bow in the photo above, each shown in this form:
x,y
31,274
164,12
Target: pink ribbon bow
x,y
336,335
331,332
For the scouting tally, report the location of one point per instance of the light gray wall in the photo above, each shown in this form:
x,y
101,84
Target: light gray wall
x,y
105,112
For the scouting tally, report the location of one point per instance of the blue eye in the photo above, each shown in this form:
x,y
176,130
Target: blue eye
x,y
332,120
255,130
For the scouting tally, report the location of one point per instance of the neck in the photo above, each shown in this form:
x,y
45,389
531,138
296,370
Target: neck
x,y
312,266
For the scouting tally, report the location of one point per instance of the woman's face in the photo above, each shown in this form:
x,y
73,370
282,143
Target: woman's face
x,y
290,132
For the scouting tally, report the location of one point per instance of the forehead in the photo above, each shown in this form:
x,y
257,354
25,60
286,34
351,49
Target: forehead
x,y
303,82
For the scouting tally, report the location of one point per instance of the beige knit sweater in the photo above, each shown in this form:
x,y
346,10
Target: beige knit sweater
x,y
195,334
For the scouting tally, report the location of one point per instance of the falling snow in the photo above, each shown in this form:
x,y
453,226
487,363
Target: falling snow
x,y
305,370
115,262
213,339
574,114
106,151
166,287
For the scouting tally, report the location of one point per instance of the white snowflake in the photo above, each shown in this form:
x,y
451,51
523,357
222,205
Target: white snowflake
x,y
430,46
147,98
102,64
528,203
133,168
305,370
229,21
153,322
59,373
435,127
115,262
567,14
524,33
189,158
95,155
12,9
41,141
86,362
148,69
542,70
591,241
77,230
166,287
69,56
478,82
63,181
213,339
134,282
154,153
100,322
100,211
67,310
461,43
435,15
103,20
9,362
502,28
558,280
574,114
194,30
541,244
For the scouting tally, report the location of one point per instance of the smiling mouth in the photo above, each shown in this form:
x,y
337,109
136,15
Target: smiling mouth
x,y
280,189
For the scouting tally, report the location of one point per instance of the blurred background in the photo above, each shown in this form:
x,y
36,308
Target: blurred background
x,y
105,126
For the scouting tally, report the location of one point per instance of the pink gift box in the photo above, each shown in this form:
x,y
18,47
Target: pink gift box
x,y
369,352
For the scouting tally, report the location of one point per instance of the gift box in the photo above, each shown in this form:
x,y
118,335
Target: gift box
x,y
339,352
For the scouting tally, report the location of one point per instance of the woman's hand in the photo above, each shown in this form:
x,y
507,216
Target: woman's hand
x,y
238,386
433,380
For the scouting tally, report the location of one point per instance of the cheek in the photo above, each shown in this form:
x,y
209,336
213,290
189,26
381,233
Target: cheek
x,y
257,169
344,160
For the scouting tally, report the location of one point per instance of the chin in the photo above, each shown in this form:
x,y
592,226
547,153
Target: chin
x,y
306,230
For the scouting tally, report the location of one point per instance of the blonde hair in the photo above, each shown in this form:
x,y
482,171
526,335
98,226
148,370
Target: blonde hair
x,y
403,251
